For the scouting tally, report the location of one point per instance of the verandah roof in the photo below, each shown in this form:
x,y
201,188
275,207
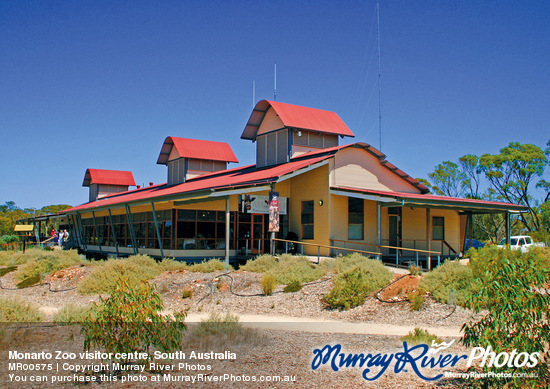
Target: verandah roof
x,y
431,201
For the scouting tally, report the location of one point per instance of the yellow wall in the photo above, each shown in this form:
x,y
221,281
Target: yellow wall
x,y
414,228
312,185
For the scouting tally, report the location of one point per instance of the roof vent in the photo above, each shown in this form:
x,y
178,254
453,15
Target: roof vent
x,y
189,158
283,131
106,182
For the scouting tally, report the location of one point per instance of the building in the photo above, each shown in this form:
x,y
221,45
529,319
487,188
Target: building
x,y
330,196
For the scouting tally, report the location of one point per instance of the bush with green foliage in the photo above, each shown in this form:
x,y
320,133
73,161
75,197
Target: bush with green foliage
x,y
130,320
4,239
450,282
356,278
420,336
132,270
50,262
209,266
416,298
286,268
293,286
16,310
514,291
187,293
268,283
217,324
6,270
71,314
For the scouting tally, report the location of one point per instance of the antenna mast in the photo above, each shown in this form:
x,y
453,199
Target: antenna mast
x,y
253,93
275,83
379,79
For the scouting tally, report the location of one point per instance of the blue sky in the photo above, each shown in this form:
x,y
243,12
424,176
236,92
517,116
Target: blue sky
x,y
100,84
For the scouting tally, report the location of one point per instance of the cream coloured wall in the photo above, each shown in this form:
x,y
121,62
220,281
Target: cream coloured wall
x,y
270,123
356,168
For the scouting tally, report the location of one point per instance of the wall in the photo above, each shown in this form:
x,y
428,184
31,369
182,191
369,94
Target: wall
x,y
312,185
356,168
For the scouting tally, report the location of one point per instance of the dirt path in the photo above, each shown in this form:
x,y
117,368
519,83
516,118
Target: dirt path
x,y
318,325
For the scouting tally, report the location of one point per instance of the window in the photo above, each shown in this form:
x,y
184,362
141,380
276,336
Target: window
x,y
356,217
202,230
438,228
307,219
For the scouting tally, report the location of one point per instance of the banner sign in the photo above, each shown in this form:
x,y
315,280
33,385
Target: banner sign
x,y
260,204
273,211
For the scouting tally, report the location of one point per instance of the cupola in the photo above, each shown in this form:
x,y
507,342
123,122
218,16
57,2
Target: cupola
x,y
189,158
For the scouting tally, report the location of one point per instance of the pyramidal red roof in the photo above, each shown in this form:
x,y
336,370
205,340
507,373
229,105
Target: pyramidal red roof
x,y
196,149
108,177
296,116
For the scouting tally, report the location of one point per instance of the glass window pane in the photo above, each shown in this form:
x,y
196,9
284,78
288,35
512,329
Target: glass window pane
x,y
206,230
307,231
355,231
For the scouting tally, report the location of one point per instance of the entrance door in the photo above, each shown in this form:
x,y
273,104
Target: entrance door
x,y
395,228
252,234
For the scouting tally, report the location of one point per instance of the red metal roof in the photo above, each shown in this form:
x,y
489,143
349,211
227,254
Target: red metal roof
x,y
226,179
435,198
296,116
108,177
196,149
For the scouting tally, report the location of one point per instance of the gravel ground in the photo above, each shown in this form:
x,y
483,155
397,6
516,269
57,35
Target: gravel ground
x,y
260,351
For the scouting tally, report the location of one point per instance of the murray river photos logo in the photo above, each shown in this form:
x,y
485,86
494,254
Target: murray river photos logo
x,y
417,357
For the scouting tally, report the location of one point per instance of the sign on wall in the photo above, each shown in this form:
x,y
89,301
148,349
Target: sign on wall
x,y
274,211
260,204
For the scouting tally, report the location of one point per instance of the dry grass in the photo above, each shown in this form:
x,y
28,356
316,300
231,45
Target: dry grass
x,y
15,310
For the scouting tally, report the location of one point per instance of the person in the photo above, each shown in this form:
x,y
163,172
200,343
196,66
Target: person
x,y
60,238
66,235
52,233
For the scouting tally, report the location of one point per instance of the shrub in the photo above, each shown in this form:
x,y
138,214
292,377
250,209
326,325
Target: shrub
x,y
169,264
450,281
414,270
130,321
216,324
268,283
48,262
416,297
16,310
261,264
187,293
357,277
107,275
351,288
286,269
221,332
420,336
293,286
209,266
9,239
378,273
71,313
513,290
6,270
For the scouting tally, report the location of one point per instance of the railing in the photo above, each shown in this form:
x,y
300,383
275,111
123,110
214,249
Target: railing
x,y
319,246
397,249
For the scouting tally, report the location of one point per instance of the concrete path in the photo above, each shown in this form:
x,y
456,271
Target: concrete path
x,y
318,325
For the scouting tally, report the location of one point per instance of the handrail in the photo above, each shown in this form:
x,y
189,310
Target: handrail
x,y
448,246
387,247
326,246
408,249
